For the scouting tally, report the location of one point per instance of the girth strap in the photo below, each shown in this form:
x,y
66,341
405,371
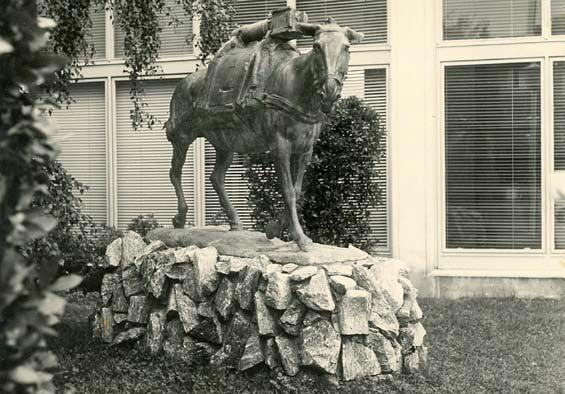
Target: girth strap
x,y
297,112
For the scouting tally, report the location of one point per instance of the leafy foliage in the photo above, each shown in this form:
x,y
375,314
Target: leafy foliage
x,y
339,189
143,224
139,20
77,241
28,306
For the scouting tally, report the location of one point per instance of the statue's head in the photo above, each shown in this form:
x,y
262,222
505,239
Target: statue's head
x,y
331,58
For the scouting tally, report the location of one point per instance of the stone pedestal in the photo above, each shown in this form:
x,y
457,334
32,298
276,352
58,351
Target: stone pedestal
x,y
253,301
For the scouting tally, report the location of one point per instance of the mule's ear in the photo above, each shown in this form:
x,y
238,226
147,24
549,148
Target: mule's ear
x,y
330,21
308,29
353,36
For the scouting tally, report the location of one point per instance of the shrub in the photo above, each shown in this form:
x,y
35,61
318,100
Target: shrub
x,y
143,224
339,187
73,237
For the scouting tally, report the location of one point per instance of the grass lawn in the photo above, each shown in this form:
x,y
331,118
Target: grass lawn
x,y
475,346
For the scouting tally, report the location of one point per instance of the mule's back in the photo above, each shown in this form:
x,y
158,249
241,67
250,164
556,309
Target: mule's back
x,y
237,75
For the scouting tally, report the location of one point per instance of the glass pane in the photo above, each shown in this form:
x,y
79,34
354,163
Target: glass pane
x,y
479,19
557,16
559,115
492,156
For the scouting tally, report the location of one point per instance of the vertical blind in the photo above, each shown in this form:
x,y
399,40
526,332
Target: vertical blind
x,y
473,19
557,16
559,115
492,156
173,36
144,159
364,16
81,135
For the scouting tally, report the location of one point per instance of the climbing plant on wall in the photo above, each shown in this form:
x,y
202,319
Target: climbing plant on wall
x,y
139,20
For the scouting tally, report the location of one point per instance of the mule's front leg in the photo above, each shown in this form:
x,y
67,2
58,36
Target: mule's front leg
x,y
177,162
218,179
282,153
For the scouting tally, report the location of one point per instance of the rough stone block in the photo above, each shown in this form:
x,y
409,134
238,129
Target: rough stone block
x,y
131,281
224,300
288,268
271,354
252,354
178,272
316,294
119,300
205,274
354,313
119,318
278,294
114,254
132,246
205,309
155,331
247,285
339,269
382,314
154,246
303,273
341,284
206,331
388,355
185,255
109,284
138,311
358,361
188,313
266,322
320,346
288,350
107,325
132,334
291,319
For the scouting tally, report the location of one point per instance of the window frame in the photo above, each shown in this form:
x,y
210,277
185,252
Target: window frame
x,y
442,165
546,262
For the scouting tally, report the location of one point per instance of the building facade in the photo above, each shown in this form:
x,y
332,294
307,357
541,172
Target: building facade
x,y
473,97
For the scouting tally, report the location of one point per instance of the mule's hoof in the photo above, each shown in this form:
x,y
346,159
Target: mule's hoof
x,y
305,244
236,227
273,229
178,223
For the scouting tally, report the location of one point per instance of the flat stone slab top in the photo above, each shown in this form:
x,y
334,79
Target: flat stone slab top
x,y
253,244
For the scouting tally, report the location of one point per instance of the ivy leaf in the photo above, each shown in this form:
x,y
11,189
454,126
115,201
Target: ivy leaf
x,y
27,375
5,47
65,283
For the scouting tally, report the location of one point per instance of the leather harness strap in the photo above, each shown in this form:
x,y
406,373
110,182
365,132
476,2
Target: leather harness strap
x,y
297,112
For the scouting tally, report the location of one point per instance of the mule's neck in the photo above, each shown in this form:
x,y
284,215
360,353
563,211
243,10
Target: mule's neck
x,y
302,88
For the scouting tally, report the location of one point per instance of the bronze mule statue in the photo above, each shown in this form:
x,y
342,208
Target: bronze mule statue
x,y
258,97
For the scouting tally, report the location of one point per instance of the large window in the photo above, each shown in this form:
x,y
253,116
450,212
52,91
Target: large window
x,y
471,19
493,156
366,16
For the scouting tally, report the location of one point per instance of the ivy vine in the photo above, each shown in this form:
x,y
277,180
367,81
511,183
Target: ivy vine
x,y
139,20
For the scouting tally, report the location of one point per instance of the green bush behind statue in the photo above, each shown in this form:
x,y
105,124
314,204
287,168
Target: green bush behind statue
x,y
340,189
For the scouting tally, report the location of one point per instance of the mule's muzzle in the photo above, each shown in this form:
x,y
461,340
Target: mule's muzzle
x,y
329,93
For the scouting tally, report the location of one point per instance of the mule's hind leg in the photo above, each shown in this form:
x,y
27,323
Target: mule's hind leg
x,y
218,178
180,147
